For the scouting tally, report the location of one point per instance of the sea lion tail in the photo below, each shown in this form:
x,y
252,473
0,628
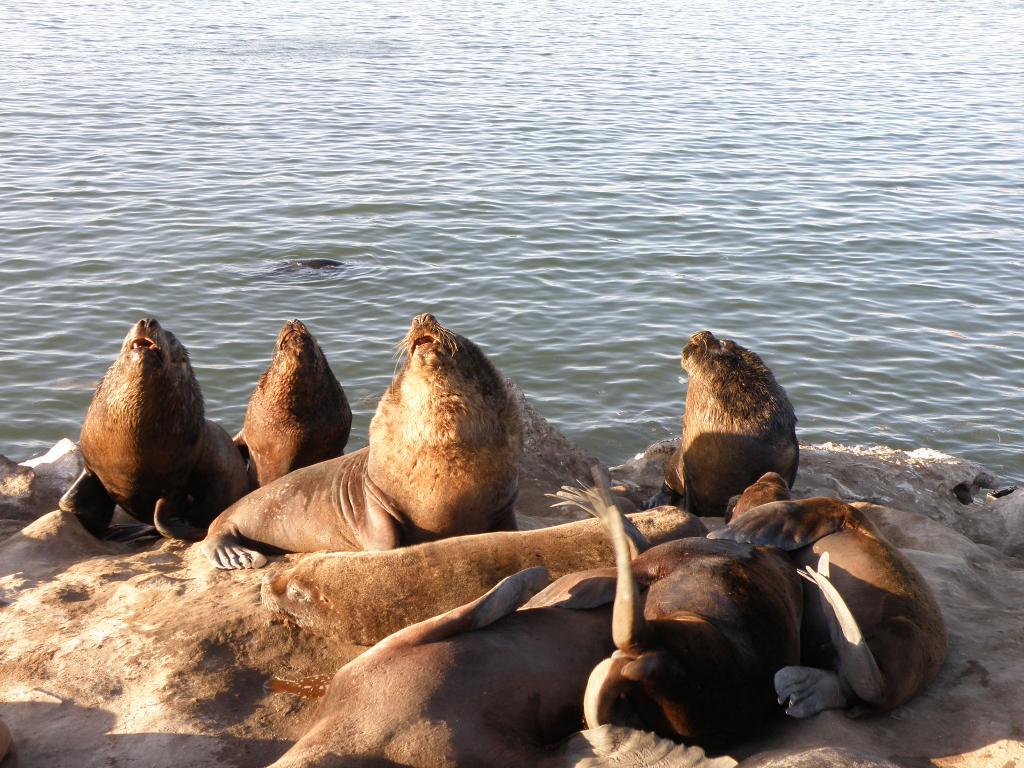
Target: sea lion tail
x,y
857,666
172,527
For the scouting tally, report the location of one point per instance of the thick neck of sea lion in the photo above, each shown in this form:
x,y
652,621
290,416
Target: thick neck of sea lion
x,y
164,400
295,378
748,403
438,406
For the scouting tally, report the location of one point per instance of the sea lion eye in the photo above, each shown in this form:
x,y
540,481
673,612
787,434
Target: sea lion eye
x,y
295,592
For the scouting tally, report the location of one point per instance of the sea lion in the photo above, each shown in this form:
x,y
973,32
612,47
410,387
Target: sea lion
x,y
873,634
298,414
340,594
435,694
697,652
738,424
443,460
148,447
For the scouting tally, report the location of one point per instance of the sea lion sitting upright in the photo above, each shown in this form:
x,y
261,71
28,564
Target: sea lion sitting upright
x,y
443,460
147,445
698,649
298,414
738,424
872,632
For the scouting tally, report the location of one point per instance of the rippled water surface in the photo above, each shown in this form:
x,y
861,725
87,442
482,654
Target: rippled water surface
x,y
575,186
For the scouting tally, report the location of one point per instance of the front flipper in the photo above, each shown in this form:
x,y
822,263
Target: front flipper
x,y
502,600
174,526
379,527
90,502
787,525
857,667
227,552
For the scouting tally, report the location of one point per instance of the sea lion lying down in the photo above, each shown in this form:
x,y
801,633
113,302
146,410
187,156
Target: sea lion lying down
x,y
443,460
439,694
874,636
697,651
340,594
148,447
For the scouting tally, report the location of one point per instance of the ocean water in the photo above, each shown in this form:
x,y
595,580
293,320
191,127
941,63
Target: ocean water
x,y
577,187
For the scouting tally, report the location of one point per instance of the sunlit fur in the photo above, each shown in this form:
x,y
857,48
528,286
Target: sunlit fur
x,y
449,430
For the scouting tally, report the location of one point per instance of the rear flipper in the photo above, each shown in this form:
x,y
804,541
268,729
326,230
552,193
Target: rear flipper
x,y
89,501
172,525
858,676
500,601
612,745
599,503
227,552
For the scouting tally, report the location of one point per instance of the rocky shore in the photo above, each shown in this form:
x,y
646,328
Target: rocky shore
x,y
142,654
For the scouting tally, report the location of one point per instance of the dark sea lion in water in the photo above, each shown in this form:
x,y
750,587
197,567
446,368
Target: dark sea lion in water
x,y
443,460
361,597
298,414
698,650
148,447
873,636
738,424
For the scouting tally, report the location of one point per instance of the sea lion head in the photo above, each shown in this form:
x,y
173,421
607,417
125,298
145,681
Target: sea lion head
x,y
151,347
445,361
771,486
296,597
706,355
297,349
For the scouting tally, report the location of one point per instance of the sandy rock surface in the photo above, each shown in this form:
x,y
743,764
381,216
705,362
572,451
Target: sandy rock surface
x,y
32,488
142,654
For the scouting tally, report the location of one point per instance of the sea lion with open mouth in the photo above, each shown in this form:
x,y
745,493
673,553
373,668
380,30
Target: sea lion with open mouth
x,y
298,414
738,424
148,447
443,460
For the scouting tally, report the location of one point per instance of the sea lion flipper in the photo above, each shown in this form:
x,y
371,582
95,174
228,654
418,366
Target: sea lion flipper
x,y
806,691
225,550
379,526
173,526
857,667
581,591
90,502
498,602
604,689
786,525
598,501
